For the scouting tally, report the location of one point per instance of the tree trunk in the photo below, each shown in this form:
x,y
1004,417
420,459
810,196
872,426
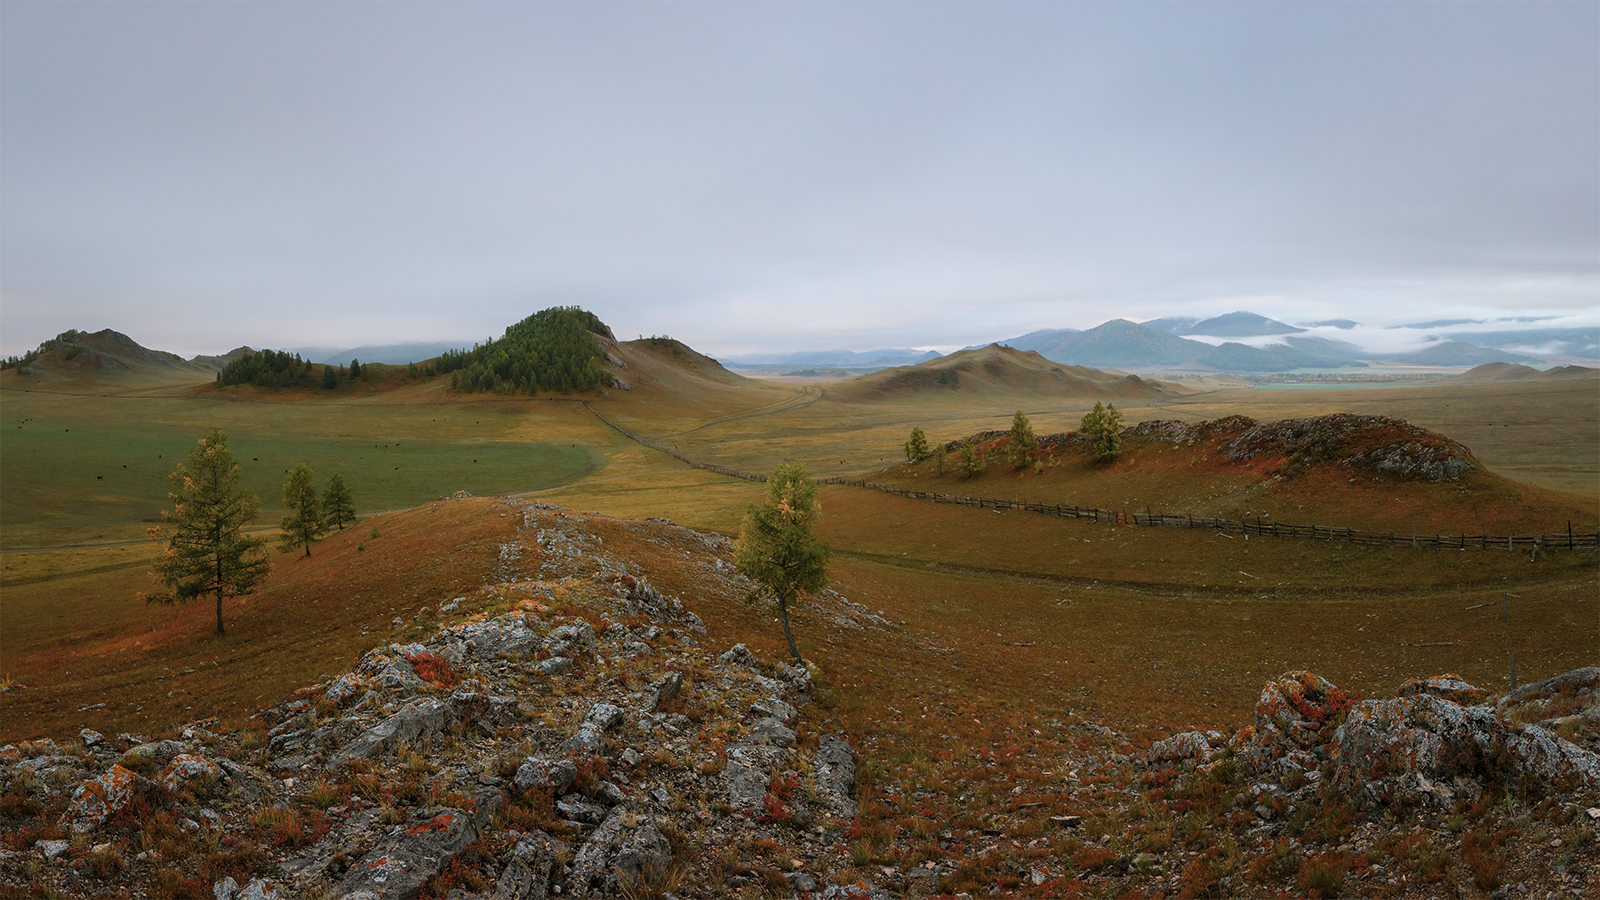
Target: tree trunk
x,y
783,613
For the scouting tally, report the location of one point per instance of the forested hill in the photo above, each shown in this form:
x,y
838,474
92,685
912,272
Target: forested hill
x,y
552,350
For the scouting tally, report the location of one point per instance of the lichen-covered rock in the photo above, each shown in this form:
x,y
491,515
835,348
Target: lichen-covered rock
x,y
255,889
1449,686
412,854
1391,446
186,769
538,773
346,687
624,846
1295,717
99,798
1569,703
738,655
663,689
572,640
414,721
527,876
835,773
746,774
1441,740
508,635
1190,745
767,730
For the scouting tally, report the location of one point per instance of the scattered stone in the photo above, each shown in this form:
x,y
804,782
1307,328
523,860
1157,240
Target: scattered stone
x,y
738,655
555,776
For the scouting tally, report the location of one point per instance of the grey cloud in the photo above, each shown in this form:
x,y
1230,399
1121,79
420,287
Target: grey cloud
x,y
777,177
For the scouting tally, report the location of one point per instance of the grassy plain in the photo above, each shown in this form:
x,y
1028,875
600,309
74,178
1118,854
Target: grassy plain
x,y
94,468
1176,603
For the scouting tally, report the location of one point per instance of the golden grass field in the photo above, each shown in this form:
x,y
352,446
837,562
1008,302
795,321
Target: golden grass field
x,y
1004,628
1149,625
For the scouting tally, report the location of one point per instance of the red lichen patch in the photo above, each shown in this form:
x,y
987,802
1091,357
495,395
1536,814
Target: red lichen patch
x,y
433,668
440,822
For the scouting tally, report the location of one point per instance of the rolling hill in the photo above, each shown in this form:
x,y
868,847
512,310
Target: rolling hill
x,y
107,355
999,371
1240,324
1457,353
1120,342
1502,372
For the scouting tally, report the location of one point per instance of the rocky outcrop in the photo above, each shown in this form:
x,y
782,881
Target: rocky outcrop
x,y
1426,747
465,764
1379,443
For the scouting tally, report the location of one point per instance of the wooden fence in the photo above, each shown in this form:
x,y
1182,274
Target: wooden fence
x,y
1568,540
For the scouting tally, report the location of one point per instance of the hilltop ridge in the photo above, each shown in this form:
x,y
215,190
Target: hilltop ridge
x,y
999,370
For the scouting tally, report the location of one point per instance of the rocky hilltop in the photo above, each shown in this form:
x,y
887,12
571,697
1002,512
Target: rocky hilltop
x,y
575,739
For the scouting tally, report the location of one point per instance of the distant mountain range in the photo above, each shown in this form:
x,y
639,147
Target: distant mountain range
x,y
392,354
1164,343
1263,345
845,359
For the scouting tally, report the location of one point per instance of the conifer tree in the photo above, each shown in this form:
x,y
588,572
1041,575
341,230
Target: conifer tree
x,y
208,551
1022,440
940,454
1102,427
917,446
969,463
338,504
776,545
303,525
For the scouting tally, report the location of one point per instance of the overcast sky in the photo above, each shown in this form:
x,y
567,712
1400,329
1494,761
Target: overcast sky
x,y
788,176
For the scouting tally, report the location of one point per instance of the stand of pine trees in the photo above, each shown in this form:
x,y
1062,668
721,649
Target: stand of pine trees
x,y
552,350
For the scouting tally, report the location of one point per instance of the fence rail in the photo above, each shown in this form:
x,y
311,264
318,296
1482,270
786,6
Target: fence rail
x,y
1569,540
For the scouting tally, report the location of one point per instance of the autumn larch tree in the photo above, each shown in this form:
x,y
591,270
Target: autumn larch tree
x,y
777,547
1022,440
917,446
338,505
1102,426
303,525
207,550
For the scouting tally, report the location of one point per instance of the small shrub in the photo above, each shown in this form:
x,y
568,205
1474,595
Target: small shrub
x,y
433,668
325,794
281,826
107,863
1483,858
1323,875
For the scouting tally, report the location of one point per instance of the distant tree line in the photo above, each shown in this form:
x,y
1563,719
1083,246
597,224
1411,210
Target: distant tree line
x,y
552,350
280,369
65,338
